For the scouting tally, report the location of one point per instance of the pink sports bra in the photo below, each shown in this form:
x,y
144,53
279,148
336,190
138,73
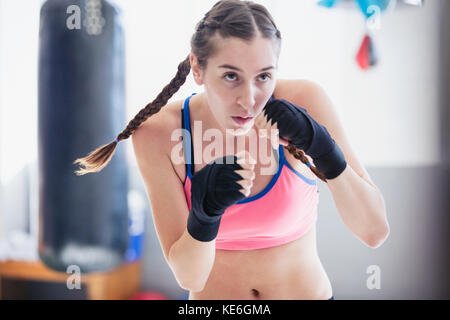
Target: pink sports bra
x,y
282,212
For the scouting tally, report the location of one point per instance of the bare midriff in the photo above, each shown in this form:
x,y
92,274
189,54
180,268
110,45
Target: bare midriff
x,y
291,271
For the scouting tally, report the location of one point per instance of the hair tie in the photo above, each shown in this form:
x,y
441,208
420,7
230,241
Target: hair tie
x,y
308,164
117,141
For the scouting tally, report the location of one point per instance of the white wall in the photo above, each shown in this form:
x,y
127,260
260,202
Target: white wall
x,y
19,30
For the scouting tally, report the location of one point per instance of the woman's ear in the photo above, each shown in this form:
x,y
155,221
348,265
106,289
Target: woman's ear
x,y
196,71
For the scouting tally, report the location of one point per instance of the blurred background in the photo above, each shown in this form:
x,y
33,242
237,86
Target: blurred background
x,y
384,64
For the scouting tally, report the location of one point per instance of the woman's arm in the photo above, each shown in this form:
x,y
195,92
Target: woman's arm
x,y
190,260
361,206
194,259
359,202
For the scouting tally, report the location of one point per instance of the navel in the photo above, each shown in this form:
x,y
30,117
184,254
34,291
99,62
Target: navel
x,y
255,293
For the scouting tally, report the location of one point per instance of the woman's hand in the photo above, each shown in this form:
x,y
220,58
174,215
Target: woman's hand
x,y
265,131
218,185
296,127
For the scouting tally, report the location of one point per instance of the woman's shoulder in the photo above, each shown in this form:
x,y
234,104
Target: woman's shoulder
x,y
294,89
158,132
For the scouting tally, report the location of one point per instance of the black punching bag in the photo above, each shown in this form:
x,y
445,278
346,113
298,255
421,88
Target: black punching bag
x,y
83,219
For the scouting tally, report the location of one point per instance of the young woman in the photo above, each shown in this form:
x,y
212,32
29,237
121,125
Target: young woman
x,y
228,229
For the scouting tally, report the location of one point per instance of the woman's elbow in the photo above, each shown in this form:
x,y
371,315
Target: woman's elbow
x,y
186,280
376,239
191,285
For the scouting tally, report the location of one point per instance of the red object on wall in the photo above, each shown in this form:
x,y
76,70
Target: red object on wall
x,y
149,295
366,56
363,56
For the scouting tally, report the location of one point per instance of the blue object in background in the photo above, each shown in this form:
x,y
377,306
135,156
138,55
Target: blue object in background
x,y
366,6
328,3
136,225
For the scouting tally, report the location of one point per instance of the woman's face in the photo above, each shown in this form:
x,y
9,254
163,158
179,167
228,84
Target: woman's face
x,y
239,80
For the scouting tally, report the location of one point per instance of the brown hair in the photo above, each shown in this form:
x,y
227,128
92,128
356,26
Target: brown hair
x,y
230,18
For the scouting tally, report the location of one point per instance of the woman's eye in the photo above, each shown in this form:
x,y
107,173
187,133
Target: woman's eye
x,y
229,74
234,75
266,74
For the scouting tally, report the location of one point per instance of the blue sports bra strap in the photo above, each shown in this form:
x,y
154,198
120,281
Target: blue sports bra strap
x,y
187,125
281,158
187,142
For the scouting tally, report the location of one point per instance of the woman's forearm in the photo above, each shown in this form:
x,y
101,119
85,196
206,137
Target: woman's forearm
x,y
361,206
191,261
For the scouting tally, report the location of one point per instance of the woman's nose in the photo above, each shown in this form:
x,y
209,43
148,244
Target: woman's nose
x,y
247,100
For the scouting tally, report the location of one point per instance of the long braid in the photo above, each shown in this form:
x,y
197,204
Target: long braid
x,y
99,158
160,101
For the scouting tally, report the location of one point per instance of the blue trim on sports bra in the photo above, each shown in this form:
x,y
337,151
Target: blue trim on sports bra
x,y
271,183
307,180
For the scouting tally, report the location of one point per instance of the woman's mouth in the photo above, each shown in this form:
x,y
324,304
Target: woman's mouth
x,y
241,121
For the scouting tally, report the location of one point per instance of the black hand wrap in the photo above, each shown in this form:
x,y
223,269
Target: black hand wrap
x,y
303,132
214,188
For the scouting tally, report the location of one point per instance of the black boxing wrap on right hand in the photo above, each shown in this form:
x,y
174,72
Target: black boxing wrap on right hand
x,y
305,133
213,189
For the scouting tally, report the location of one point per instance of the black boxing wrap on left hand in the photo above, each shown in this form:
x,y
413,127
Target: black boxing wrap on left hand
x,y
303,132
